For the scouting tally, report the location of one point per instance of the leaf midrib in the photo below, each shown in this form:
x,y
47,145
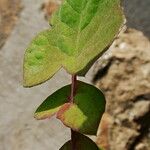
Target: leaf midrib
x,y
79,26
78,30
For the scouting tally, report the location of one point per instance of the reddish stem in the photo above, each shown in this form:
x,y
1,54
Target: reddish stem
x,y
73,87
73,93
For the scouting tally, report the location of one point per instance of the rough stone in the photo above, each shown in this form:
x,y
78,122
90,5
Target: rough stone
x,y
123,74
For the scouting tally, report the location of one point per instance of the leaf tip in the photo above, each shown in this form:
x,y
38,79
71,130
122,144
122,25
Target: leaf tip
x,y
43,116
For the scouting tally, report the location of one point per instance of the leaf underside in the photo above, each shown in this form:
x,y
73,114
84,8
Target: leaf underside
x,y
82,143
80,32
83,115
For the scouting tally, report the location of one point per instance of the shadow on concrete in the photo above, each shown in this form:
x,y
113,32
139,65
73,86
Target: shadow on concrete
x,y
137,13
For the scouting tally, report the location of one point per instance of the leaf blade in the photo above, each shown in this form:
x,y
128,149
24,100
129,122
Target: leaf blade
x,y
80,33
82,143
37,68
85,113
53,103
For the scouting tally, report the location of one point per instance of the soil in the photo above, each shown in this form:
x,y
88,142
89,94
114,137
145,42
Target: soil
x,y
9,13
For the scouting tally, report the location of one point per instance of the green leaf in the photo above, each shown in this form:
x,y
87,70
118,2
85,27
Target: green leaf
x,y
85,113
53,103
82,143
81,31
82,116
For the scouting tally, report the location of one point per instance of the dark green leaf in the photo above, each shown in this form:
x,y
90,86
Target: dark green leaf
x,y
53,103
85,113
82,143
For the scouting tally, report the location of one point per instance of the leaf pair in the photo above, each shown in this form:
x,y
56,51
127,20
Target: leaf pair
x,y
83,115
81,31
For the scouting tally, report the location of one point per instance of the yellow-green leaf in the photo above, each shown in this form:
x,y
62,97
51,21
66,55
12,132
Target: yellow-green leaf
x,y
81,30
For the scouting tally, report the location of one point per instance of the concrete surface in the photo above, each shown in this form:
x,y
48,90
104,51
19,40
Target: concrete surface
x,y
18,129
